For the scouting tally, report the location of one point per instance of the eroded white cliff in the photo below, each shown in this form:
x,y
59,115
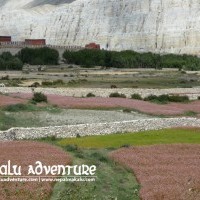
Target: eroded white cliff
x,y
143,25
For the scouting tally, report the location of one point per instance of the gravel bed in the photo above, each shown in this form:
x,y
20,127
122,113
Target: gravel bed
x,y
75,116
193,93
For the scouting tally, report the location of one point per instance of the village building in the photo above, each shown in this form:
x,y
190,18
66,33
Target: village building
x,y
35,42
92,46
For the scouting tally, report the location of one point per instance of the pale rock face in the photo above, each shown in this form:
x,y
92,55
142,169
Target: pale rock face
x,y
171,26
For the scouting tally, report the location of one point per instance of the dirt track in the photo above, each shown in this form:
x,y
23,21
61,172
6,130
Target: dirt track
x,y
98,102
168,172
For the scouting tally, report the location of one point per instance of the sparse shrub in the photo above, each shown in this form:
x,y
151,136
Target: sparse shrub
x,y
90,95
116,94
166,98
136,96
176,98
79,155
5,77
15,108
35,84
78,135
150,98
51,83
182,81
163,98
58,82
47,83
99,156
72,82
183,72
113,86
52,138
39,97
125,146
126,110
190,113
71,147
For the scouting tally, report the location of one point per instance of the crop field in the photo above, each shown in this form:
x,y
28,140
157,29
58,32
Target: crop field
x,y
121,160
165,164
164,136
24,153
164,171
6,100
169,109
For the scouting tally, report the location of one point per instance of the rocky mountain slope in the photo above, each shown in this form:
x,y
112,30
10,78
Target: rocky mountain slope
x,y
143,25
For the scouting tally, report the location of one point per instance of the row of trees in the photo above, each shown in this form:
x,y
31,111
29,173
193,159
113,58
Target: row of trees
x,y
37,56
10,62
131,59
90,58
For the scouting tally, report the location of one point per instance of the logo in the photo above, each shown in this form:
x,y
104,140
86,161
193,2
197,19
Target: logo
x,y
40,172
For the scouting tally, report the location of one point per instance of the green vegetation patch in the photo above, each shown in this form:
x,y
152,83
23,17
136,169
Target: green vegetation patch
x,y
165,98
39,97
113,181
164,136
90,95
17,115
130,59
30,108
58,82
39,56
117,95
10,62
136,96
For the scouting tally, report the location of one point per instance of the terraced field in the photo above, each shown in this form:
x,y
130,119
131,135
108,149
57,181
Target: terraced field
x,y
113,103
153,165
165,162
24,153
164,171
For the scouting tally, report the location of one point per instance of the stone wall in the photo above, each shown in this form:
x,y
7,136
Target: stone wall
x,y
97,129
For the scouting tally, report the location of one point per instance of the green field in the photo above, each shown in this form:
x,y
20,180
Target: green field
x,y
164,136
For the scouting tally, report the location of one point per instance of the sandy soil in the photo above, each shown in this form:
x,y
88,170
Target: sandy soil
x,y
165,172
